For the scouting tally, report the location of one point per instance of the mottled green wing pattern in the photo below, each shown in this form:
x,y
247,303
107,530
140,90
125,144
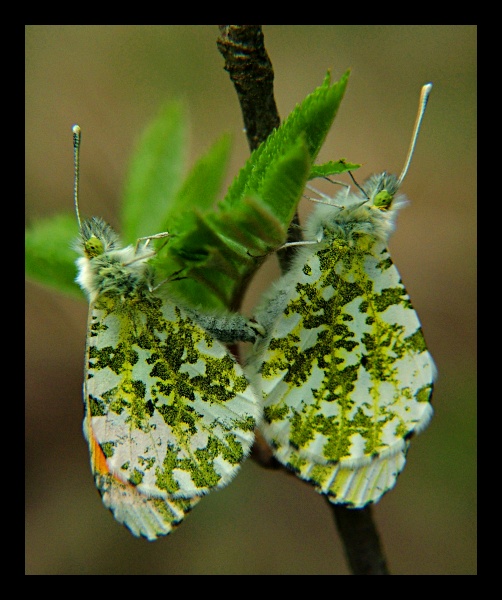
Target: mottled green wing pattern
x,y
170,408
344,371
169,413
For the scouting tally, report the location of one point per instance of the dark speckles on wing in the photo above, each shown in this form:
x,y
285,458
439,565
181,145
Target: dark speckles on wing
x,y
331,364
171,396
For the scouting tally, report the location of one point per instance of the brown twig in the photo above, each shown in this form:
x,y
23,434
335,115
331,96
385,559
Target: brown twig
x,y
250,70
360,538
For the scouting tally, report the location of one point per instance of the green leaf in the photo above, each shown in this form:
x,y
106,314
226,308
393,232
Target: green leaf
x,y
311,119
255,214
200,188
332,168
49,257
155,174
226,246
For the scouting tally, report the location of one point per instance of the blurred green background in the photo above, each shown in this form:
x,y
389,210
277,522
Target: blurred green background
x,y
112,80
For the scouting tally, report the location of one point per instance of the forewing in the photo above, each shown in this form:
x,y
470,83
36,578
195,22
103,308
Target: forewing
x,y
344,372
168,406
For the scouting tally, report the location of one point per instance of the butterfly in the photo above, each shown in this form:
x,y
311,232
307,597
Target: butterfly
x,y
343,370
169,413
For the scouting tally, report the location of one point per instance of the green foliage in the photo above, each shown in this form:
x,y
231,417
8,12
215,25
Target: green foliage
x,y
49,257
332,167
218,246
155,173
225,246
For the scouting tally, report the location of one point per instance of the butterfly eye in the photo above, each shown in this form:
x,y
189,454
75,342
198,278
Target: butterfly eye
x,y
383,200
93,247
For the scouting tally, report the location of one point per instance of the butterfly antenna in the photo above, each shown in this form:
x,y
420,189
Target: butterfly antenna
x,y
424,97
77,136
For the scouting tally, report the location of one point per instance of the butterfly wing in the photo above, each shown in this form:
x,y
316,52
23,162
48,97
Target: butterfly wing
x,y
143,515
344,371
169,412
354,486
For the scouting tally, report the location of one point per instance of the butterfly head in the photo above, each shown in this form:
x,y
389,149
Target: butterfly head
x,y
381,190
96,238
